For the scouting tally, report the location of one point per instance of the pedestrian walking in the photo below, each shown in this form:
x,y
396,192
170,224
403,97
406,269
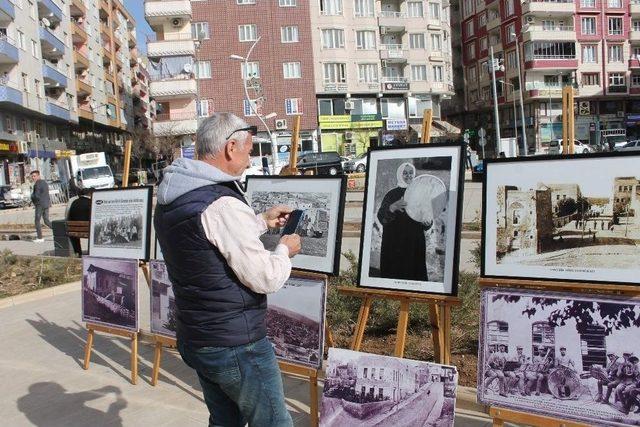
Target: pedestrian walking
x,y
468,163
265,166
41,202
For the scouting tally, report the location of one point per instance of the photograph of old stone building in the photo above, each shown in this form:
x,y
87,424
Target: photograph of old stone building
x,y
163,301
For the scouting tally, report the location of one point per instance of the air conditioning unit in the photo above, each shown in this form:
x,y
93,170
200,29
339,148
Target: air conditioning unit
x,y
349,105
176,22
620,114
348,135
584,108
30,137
531,19
281,124
385,63
23,147
383,30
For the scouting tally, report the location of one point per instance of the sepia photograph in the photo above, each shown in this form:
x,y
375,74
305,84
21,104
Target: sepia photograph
x,y
412,219
363,389
121,223
565,355
321,201
110,292
556,219
295,320
163,302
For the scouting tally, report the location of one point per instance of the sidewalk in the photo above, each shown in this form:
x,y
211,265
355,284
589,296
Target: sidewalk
x,y
44,384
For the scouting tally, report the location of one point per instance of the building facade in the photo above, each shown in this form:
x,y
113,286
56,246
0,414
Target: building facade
x,y
378,65
65,83
592,45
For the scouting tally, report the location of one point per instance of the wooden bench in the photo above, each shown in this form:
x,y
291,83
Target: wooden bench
x,y
79,229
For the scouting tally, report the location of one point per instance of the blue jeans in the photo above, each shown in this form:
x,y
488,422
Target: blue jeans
x,y
240,384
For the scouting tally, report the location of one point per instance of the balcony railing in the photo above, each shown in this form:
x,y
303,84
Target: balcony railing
x,y
552,57
7,10
53,73
9,92
550,28
53,9
391,47
57,109
8,50
391,14
167,117
47,36
394,79
551,1
617,89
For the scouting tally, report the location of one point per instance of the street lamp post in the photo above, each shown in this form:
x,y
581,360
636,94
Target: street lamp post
x,y
522,83
515,114
272,137
495,97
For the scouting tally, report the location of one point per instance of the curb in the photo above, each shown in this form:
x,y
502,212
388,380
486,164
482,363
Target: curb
x,y
39,294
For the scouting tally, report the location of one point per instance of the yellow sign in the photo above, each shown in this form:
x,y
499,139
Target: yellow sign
x,y
65,153
4,146
335,119
367,125
338,125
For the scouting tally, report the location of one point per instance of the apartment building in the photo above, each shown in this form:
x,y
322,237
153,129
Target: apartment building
x,y
378,65
592,45
65,83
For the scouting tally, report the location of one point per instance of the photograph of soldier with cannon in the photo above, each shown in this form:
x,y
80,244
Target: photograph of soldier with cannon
x,y
559,354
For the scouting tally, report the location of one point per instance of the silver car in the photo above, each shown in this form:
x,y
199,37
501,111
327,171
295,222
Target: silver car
x,y
630,146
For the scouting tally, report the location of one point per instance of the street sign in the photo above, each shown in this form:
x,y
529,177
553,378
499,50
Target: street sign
x,y
482,141
466,137
482,133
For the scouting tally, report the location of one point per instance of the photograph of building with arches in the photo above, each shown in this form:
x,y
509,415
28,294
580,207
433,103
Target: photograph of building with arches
x,y
363,389
565,355
163,302
560,219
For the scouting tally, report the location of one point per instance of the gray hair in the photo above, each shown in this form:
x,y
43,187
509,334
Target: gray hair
x,y
213,133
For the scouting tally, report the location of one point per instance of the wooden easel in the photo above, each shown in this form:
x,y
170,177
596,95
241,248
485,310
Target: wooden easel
x,y
439,313
427,118
502,415
312,375
92,328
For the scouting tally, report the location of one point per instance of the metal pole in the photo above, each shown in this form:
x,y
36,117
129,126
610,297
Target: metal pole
x,y
515,119
522,83
495,98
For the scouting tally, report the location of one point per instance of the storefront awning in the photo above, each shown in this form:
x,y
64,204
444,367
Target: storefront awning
x,y
42,154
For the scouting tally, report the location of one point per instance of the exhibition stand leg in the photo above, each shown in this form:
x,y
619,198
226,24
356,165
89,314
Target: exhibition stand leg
x,y
312,375
92,328
439,311
160,342
500,416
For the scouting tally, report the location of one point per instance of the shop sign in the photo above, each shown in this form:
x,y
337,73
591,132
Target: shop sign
x,y
189,152
12,147
365,117
65,153
335,88
334,119
346,121
367,125
396,124
395,86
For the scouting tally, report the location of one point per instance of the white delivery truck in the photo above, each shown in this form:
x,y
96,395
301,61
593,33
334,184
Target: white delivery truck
x,y
91,170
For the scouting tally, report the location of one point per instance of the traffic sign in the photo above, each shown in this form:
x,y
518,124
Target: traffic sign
x,y
482,141
482,133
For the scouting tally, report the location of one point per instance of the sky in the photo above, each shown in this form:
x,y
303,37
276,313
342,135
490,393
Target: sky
x,y
136,8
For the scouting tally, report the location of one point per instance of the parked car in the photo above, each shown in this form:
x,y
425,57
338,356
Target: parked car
x,y
344,160
555,147
327,163
630,146
358,164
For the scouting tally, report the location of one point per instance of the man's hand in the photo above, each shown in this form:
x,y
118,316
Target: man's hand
x,y
292,242
277,216
399,205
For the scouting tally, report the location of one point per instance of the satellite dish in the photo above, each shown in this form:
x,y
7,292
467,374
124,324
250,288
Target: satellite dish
x,y
46,22
109,113
187,68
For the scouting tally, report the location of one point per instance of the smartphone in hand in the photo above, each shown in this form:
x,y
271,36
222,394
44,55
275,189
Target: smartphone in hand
x,y
292,223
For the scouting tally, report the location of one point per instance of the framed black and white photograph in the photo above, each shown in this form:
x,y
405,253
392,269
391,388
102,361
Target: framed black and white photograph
x,y
322,201
163,302
411,219
570,356
121,223
363,389
110,292
295,319
563,218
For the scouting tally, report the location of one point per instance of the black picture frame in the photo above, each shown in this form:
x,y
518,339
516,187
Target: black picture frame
x,y
336,253
146,244
536,162
459,147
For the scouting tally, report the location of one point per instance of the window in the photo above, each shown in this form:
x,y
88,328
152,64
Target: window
x,y
472,74
469,28
20,40
484,44
325,107
364,8
437,74
365,40
25,83
249,107
205,107
482,19
615,3
416,41
617,79
332,39
635,52
373,373
331,7
636,25
510,33
590,79
202,69
434,10
368,73
34,48
615,26
551,80
291,70
471,51
615,53
293,106
588,4
436,42
252,70
635,79
590,54
415,9
392,108
248,32
512,62
588,26
33,11
334,72
364,375
549,50
418,73
200,30
508,7
286,3
467,7
246,1
289,34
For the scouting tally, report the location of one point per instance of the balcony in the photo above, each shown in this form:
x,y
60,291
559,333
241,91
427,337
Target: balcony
x,y
549,32
79,35
169,124
617,89
9,54
393,21
10,94
80,61
547,8
52,46
635,7
494,22
634,36
171,89
56,109
542,90
53,77
85,113
83,88
48,9
560,62
158,11
634,63
394,53
77,8
178,45
105,31
7,11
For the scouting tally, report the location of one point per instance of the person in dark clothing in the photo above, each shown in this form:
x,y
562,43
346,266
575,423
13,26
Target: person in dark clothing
x,y
403,252
265,166
79,210
41,202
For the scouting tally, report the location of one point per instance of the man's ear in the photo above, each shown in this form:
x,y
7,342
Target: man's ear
x,y
230,148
